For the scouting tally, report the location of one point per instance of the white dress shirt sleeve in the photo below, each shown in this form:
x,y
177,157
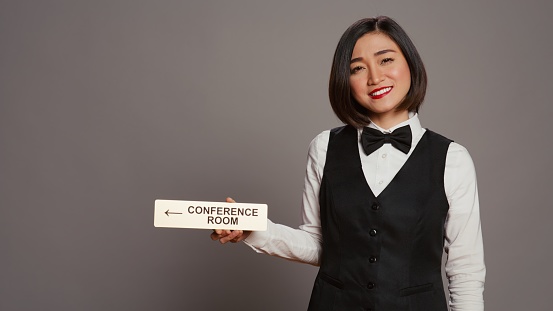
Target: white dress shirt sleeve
x,y
303,244
465,267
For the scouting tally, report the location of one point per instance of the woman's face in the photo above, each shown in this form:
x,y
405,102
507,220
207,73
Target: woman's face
x,y
380,78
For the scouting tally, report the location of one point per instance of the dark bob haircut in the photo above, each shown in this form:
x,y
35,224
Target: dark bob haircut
x,y
344,105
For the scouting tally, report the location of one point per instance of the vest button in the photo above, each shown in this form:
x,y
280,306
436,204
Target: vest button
x,y
375,206
372,232
372,259
371,285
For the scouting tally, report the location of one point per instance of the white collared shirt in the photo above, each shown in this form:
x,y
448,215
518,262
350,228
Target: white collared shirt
x,y
464,268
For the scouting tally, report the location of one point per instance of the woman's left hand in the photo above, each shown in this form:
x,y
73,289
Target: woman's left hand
x,y
232,236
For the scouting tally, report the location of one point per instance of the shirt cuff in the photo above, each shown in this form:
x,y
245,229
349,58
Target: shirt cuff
x,y
258,239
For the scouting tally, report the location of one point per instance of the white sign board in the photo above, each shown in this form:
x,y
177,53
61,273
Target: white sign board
x,y
210,215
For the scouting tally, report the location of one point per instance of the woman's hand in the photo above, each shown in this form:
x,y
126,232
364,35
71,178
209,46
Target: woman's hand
x,y
232,236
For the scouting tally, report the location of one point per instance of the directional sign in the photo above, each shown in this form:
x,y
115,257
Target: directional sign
x,y
210,215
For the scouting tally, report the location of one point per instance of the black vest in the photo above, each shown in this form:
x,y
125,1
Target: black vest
x,y
382,253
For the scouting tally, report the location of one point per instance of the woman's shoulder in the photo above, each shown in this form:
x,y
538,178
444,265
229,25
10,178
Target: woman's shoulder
x,y
320,142
459,157
454,146
455,150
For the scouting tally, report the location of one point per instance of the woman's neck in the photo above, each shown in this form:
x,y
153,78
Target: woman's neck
x,y
389,120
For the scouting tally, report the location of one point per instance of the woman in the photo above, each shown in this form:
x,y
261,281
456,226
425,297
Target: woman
x,y
383,196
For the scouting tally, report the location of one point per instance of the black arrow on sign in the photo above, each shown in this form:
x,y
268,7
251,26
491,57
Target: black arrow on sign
x,y
168,212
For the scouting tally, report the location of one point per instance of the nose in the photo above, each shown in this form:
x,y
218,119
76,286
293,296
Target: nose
x,y
375,76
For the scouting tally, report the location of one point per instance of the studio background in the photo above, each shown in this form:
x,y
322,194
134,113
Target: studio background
x,y
106,106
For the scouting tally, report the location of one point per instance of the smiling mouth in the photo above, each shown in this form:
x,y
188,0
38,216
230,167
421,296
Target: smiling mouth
x,y
381,92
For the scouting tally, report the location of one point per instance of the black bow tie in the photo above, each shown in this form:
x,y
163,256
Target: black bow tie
x,y
372,139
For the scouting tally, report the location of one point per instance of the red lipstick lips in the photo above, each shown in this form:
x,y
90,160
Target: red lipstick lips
x,y
381,92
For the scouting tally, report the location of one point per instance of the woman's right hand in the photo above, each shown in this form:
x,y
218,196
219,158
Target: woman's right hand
x,y
232,236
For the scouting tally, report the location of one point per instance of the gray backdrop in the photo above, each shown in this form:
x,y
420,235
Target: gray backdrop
x,y
107,105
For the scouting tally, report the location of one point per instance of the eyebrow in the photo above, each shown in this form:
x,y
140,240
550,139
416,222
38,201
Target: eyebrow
x,y
375,54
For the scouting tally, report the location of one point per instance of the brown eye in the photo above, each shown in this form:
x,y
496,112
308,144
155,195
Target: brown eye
x,y
386,61
356,69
